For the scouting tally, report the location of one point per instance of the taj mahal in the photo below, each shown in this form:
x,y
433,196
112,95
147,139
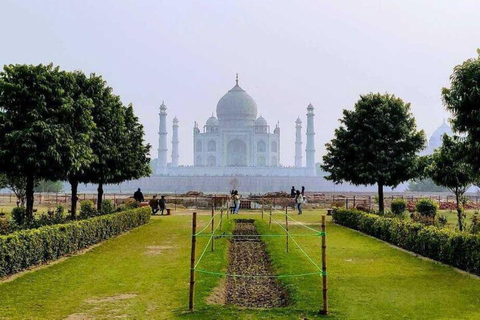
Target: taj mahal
x,y
236,142
237,149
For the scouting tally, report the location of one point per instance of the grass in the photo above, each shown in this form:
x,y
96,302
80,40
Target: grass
x,y
144,275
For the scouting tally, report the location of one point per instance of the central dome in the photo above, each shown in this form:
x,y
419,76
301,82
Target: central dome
x,y
236,104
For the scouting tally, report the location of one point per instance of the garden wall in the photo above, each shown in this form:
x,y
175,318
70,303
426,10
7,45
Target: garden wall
x,y
26,248
460,250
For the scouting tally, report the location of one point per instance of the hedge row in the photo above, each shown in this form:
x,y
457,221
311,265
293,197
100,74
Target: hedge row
x,y
26,248
457,249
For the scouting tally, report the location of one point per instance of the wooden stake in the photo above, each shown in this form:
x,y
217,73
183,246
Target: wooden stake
x,y
192,262
270,219
262,213
221,219
213,225
286,226
324,267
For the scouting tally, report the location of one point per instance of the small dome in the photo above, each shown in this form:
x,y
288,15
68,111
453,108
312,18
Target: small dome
x,y
236,104
261,121
212,121
298,121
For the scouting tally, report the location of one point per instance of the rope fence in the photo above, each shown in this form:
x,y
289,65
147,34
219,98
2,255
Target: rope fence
x,y
215,226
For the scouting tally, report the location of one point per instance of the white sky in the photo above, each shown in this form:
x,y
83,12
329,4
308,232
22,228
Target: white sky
x,y
287,54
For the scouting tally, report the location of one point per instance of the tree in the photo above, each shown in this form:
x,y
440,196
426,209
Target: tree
x,y
376,143
109,117
49,186
451,169
134,152
81,126
463,100
425,185
18,185
34,142
3,181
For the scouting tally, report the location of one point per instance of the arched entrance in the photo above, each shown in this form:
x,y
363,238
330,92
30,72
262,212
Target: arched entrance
x,y
236,153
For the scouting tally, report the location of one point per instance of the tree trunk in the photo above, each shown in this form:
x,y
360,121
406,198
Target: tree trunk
x,y
100,196
459,211
73,208
29,196
380,197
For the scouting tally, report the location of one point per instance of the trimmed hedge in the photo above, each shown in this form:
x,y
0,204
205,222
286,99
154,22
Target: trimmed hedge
x,y
460,250
26,248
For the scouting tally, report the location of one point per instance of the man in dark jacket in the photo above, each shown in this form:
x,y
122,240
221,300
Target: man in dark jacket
x,y
138,196
162,204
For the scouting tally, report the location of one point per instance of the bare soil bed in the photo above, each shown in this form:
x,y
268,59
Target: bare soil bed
x,y
248,257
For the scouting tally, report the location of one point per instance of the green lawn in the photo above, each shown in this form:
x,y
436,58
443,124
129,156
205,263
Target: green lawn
x,y
144,275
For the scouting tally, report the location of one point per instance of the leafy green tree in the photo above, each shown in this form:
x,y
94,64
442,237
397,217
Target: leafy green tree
x,y
109,117
81,126
34,142
425,185
451,169
376,143
463,100
134,152
49,186
3,181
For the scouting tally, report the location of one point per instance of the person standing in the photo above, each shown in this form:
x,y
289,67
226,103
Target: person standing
x,y
162,204
292,192
299,201
153,203
237,202
138,196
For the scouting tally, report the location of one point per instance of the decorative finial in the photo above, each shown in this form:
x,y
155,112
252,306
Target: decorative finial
x,y
236,81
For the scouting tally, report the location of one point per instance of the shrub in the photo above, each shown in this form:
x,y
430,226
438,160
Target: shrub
x,y
398,207
19,215
427,208
131,204
475,226
87,209
107,206
26,248
460,250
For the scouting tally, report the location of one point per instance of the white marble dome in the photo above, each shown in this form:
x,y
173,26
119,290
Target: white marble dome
x,y
261,121
236,104
212,121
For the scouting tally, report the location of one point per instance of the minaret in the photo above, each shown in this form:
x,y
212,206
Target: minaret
x,y
310,139
162,141
298,143
175,155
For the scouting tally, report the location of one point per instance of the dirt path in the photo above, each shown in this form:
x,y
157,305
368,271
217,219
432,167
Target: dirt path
x,y
248,257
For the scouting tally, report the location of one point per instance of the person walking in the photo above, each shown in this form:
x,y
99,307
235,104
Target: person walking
x,y
299,201
153,203
162,204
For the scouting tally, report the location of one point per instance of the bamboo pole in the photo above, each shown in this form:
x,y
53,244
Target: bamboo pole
x,y
192,262
213,226
286,226
324,267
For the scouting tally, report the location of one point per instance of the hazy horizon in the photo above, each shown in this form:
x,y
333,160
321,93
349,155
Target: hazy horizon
x,y
287,55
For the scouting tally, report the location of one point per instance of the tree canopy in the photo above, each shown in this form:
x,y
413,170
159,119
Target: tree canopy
x,y
58,125
376,143
462,99
450,169
35,143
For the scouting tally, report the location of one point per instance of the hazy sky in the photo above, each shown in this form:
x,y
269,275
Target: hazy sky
x,y
287,54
